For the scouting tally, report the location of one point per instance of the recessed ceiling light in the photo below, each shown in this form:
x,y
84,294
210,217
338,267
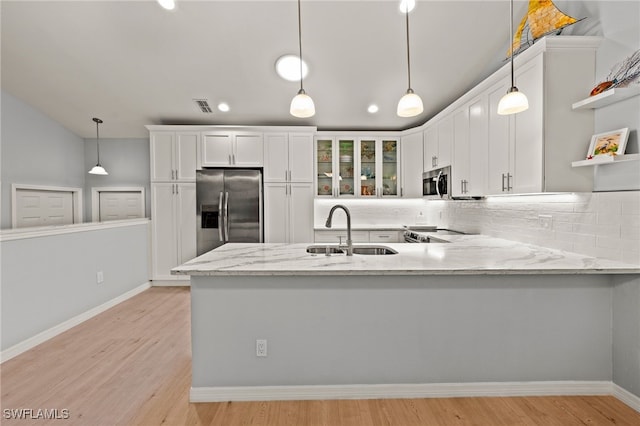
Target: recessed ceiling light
x,y
404,4
223,106
288,67
372,109
167,4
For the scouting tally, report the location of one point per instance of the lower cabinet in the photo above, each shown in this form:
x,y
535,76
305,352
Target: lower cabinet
x,y
288,212
358,236
173,218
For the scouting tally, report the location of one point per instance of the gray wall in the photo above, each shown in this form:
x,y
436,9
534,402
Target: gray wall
x,y
44,285
626,333
36,150
402,329
126,160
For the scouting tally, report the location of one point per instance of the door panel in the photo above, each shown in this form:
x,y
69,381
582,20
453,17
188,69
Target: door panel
x,y
243,193
300,157
216,149
276,205
185,209
208,220
301,213
186,147
248,150
43,208
118,205
164,230
162,156
276,157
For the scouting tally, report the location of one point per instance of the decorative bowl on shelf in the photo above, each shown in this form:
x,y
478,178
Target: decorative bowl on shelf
x,y
324,189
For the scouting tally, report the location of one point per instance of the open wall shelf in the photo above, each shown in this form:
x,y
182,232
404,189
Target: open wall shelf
x,y
608,97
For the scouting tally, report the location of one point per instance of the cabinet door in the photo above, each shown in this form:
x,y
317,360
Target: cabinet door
x,y
301,157
162,151
276,212
164,247
478,141
528,163
185,156
301,212
186,221
388,159
324,167
499,141
216,149
460,166
368,165
411,165
247,149
345,181
445,141
430,143
276,157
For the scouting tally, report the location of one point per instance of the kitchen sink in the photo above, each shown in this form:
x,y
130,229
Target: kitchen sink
x,y
324,250
364,249
375,250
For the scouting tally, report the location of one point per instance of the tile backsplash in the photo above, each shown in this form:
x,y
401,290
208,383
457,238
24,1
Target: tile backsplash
x,y
602,224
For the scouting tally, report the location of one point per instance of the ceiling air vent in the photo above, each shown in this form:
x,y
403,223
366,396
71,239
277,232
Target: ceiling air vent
x,y
203,104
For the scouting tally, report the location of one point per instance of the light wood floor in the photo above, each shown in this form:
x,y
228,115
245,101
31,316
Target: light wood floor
x,y
131,365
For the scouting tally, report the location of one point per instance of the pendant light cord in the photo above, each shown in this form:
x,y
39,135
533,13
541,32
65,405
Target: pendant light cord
x,y
513,84
408,57
98,121
300,44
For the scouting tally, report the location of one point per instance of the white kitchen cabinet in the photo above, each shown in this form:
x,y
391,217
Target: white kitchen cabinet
x,y
469,163
438,142
173,218
173,156
411,166
332,236
335,166
288,212
231,149
288,157
378,163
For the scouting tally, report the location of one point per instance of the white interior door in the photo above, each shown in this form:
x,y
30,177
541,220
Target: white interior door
x,y
43,208
117,205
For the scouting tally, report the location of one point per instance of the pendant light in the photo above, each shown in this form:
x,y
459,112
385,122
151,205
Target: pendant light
x,y
514,101
98,169
410,104
301,105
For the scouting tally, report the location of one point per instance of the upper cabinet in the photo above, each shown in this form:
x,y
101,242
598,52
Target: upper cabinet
x,y
231,149
438,142
411,164
288,157
173,156
353,166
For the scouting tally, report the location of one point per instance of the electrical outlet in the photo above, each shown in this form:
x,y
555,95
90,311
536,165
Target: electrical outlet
x,y
261,347
99,277
545,221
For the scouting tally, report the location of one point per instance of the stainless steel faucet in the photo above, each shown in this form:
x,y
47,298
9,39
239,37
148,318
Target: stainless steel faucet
x,y
349,246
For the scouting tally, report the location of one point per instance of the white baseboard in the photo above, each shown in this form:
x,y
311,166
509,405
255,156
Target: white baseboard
x,y
31,342
435,390
171,283
627,397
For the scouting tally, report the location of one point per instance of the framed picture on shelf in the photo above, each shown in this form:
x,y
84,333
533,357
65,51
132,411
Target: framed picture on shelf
x,y
613,142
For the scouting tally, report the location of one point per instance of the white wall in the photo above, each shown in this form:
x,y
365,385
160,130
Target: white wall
x,y
36,150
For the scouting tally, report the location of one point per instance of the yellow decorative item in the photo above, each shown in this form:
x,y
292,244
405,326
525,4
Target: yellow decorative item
x,y
542,18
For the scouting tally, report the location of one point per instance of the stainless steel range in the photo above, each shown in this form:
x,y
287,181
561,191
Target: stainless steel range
x,y
424,234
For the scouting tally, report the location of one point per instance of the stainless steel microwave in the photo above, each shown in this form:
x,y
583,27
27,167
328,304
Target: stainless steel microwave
x,y
437,183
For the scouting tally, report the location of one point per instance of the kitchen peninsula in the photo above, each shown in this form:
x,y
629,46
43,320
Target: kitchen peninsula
x,y
476,316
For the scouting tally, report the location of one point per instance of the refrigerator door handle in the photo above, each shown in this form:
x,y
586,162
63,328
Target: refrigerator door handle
x,y
226,216
220,218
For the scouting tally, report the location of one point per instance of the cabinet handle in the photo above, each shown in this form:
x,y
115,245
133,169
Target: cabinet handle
x,y
177,189
402,192
466,190
233,156
509,176
502,182
230,159
285,175
461,186
289,175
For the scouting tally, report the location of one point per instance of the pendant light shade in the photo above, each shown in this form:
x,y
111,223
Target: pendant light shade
x,y
301,105
410,104
98,169
514,101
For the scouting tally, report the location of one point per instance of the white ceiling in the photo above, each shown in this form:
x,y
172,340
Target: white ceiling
x,y
133,63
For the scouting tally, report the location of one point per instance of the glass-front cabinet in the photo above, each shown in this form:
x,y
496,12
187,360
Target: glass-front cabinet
x,y
357,167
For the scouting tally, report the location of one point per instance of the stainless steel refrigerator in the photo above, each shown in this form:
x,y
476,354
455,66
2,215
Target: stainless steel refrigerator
x,y
229,207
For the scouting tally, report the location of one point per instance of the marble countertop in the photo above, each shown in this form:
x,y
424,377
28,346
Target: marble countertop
x,y
463,255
